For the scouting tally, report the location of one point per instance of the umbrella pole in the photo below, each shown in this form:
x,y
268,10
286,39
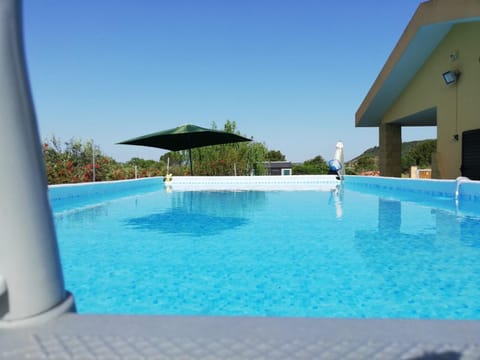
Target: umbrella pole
x,y
191,166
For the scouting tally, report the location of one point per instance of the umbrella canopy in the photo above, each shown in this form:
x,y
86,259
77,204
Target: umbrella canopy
x,y
185,137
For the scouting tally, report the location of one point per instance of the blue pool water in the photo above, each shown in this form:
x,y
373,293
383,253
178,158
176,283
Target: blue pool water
x,y
355,253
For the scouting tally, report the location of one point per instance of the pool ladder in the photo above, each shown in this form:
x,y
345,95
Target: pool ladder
x,y
460,180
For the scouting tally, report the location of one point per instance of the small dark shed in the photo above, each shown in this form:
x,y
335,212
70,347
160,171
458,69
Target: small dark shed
x,y
278,167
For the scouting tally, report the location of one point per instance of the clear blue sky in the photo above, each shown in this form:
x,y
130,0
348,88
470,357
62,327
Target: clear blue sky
x,y
290,73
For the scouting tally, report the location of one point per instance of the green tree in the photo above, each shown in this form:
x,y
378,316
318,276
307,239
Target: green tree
x,y
420,155
242,158
177,162
315,166
365,163
145,168
275,155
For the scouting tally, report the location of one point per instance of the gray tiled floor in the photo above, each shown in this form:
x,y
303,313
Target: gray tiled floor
x,y
74,336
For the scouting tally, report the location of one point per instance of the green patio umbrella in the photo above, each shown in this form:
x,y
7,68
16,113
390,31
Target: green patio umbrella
x,y
185,137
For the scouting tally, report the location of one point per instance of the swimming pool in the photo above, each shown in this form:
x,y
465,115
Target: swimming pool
x,y
367,250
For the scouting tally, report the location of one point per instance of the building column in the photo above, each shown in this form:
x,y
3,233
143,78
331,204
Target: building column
x,y
390,150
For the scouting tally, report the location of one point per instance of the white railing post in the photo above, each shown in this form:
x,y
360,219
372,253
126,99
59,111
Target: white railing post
x,y
32,281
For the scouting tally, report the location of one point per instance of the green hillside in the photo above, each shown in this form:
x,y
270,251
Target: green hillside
x,y
414,153
406,146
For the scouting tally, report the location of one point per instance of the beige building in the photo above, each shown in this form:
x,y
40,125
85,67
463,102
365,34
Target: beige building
x,y
431,78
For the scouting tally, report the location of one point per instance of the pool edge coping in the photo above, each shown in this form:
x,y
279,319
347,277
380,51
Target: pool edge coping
x,y
126,336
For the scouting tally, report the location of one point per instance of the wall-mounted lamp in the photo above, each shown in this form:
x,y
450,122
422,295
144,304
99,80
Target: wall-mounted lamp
x,y
450,77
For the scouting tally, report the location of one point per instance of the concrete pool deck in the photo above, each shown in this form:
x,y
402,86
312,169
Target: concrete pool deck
x,y
73,336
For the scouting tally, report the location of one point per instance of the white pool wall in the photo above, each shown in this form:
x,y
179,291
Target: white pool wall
x,y
65,191
438,187
295,182
447,188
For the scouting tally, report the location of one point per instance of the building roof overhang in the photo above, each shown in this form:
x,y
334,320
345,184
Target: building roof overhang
x,y
428,27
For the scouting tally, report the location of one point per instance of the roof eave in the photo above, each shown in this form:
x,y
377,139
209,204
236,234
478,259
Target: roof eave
x,y
429,25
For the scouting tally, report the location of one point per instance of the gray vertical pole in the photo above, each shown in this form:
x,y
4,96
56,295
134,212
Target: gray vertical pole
x,y
93,162
31,281
190,157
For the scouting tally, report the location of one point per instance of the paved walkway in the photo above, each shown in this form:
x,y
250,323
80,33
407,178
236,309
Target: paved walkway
x,y
74,336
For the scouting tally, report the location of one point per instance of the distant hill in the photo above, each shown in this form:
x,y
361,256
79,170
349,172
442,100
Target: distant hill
x,y
375,151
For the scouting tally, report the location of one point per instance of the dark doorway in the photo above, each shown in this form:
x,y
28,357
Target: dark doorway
x,y
471,154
